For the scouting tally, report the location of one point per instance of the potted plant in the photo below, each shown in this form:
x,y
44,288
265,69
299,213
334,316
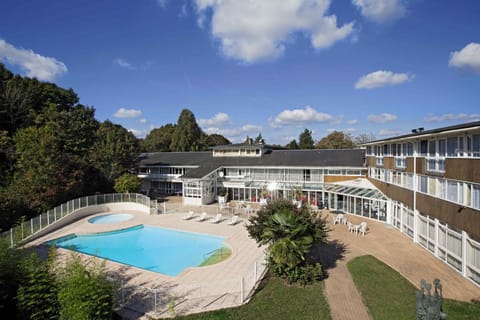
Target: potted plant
x,y
222,195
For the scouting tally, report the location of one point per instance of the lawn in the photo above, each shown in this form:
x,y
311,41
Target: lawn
x,y
388,295
276,300
218,256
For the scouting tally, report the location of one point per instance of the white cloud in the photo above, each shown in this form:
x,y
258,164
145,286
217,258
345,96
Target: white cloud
x,y
349,130
352,122
142,121
387,132
234,134
123,63
299,117
35,65
381,10
127,113
138,133
219,120
468,58
382,118
451,116
251,31
382,78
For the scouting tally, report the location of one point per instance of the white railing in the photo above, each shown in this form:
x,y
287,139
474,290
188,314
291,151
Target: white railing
x,y
454,248
178,299
27,228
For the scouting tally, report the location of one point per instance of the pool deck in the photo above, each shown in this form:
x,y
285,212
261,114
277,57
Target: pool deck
x,y
195,289
218,286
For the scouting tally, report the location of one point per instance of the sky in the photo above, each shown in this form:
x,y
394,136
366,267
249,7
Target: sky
x,y
246,67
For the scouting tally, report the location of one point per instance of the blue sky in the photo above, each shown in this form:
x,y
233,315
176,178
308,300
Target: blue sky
x,y
381,67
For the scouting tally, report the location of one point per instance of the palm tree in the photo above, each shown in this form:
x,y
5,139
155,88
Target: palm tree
x,y
289,237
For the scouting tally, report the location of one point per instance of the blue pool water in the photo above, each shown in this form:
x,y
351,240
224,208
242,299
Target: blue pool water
x,y
151,248
110,218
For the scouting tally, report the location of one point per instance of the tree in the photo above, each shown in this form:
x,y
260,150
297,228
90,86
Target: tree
x,y
336,140
159,139
127,182
259,139
292,145
305,140
84,293
216,140
115,150
187,134
364,138
10,277
298,230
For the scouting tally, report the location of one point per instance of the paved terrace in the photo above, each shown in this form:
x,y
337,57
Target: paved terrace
x,y
393,248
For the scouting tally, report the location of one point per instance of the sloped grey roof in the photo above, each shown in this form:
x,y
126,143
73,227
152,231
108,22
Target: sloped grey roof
x,y
276,158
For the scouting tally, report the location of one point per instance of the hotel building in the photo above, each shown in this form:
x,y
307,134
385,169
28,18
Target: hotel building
x,y
426,184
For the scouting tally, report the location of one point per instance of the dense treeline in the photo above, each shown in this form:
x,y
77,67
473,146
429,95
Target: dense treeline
x,y
52,148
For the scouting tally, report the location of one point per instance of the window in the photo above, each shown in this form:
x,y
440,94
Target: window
x,y
476,196
432,148
442,148
409,149
423,147
452,147
452,191
423,184
306,175
476,145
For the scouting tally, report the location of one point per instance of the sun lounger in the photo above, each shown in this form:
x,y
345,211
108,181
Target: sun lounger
x,y
189,215
203,217
217,218
233,221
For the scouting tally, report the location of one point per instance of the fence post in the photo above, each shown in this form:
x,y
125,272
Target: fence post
x,y
254,272
31,225
11,237
464,253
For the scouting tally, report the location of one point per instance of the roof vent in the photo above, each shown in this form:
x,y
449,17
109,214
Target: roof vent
x,y
414,130
420,129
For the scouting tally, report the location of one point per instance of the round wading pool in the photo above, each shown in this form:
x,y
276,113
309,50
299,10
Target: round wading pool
x,y
110,218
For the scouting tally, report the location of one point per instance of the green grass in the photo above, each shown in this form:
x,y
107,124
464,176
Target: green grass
x,y
275,300
218,256
388,295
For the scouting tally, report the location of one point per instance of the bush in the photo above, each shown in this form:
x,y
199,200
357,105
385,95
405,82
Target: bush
x,y
84,293
302,274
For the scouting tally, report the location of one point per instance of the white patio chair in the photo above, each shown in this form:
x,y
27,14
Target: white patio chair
x,y
350,226
363,228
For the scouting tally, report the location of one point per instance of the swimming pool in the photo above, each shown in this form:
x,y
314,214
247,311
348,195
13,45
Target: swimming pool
x,y
110,218
151,248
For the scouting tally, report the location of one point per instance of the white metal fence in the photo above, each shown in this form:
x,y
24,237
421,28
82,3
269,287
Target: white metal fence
x,y
454,248
173,299
25,229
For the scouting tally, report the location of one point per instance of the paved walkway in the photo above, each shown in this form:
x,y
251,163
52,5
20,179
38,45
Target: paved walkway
x,y
393,248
